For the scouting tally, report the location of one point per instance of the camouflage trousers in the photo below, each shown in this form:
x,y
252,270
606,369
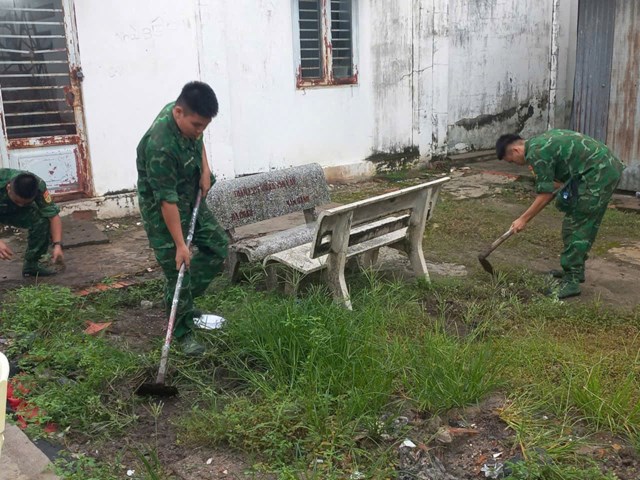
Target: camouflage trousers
x,y
39,234
581,224
211,242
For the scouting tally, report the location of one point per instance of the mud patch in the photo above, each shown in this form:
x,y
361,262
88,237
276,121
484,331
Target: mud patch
x,y
136,328
392,261
629,253
477,185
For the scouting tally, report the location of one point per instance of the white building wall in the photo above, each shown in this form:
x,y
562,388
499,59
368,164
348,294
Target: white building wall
x,y
432,74
135,56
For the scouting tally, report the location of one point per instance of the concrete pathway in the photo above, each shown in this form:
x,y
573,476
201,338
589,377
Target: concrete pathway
x,y
21,459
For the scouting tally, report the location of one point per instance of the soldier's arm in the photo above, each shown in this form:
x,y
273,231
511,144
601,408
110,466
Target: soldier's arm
x,y
543,165
56,237
206,178
171,216
541,201
48,209
163,178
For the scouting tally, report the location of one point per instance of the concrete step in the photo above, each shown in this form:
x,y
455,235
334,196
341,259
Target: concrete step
x,y
20,459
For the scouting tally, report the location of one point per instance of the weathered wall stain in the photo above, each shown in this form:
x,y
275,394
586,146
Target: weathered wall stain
x,y
499,70
481,132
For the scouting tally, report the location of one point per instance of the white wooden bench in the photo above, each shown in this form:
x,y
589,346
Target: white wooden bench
x,y
246,200
395,219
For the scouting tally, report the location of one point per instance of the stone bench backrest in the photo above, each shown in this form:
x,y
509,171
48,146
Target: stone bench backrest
x,y
410,207
254,198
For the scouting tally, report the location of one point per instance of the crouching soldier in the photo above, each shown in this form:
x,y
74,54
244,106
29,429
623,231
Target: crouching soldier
x,y
26,203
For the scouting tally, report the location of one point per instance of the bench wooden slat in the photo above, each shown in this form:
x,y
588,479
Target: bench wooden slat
x,y
299,259
366,232
376,207
256,249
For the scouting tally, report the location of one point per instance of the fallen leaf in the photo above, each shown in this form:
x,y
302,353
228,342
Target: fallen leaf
x,y
95,328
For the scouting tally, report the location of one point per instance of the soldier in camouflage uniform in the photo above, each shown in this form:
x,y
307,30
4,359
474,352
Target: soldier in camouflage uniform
x,y
585,172
26,203
172,165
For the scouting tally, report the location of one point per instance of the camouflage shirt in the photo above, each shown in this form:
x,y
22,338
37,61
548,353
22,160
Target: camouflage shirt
x,y
563,155
169,168
43,203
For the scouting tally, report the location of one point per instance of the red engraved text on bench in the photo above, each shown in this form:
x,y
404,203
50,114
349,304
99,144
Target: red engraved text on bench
x,y
298,200
265,187
235,216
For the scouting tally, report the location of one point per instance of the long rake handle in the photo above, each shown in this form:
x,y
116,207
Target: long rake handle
x,y
164,357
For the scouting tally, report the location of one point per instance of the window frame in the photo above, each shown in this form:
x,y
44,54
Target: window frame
x,y
326,52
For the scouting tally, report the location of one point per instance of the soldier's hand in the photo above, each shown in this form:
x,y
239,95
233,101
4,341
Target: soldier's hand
x,y
5,251
57,256
183,255
518,225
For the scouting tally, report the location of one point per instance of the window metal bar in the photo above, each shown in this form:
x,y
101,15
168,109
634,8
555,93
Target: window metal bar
x,y
30,52
21,127
32,36
9,22
48,87
26,114
44,100
19,9
29,62
34,75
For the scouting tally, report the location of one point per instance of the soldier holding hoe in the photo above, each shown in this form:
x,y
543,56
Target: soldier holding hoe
x,y
588,173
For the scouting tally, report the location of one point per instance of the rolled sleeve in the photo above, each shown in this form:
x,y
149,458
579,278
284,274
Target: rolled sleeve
x,y
162,175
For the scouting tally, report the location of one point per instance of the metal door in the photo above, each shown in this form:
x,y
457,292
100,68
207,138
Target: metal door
x,y
41,103
624,107
592,86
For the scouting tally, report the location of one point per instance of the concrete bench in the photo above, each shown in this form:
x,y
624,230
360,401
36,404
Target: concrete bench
x,y
397,220
256,198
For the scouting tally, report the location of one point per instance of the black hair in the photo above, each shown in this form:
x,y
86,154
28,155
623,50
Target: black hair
x,y
503,143
198,97
25,186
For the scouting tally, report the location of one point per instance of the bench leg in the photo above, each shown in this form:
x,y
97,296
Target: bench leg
x,y
233,266
292,280
336,281
272,276
418,264
369,259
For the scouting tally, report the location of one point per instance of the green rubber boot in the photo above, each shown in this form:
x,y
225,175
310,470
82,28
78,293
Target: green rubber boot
x,y
568,289
560,274
190,346
37,270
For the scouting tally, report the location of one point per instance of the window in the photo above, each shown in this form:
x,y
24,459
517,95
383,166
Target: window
x,y
34,69
325,42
